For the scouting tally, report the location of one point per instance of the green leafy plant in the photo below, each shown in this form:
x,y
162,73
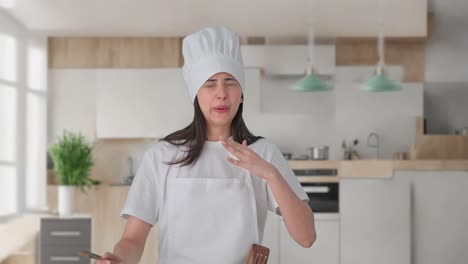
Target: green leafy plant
x,y
73,160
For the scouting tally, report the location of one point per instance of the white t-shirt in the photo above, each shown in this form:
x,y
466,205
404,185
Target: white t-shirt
x,y
147,196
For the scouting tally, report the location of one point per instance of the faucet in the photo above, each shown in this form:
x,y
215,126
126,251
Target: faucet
x,y
375,145
130,160
129,178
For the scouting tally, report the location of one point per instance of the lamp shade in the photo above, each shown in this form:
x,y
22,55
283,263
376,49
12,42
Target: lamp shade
x,y
311,83
380,83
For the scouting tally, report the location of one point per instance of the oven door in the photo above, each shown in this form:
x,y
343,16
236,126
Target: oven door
x,y
323,196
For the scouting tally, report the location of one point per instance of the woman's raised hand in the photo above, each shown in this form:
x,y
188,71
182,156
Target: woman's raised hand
x,y
248,159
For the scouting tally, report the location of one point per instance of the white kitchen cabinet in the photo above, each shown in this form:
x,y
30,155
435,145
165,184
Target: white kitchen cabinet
x,y
375,221
325,250
140,103
271,237
439,216
288,59
71,104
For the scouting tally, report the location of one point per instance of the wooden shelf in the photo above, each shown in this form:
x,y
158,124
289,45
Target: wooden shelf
x,y
438,147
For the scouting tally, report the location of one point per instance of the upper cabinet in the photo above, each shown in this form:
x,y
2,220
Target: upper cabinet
x,y
151,103
288,59
141,103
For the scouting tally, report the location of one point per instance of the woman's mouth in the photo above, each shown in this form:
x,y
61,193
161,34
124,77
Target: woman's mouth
x,y
223,109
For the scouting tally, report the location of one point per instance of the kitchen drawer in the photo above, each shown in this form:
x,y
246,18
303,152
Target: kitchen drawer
x,y
64,255
65,231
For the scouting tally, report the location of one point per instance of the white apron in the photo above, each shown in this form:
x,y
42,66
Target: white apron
x,y
210,220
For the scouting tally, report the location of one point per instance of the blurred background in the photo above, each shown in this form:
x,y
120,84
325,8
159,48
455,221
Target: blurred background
x,y
378,137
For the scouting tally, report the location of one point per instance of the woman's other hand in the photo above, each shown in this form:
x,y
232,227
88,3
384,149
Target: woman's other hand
x,y
110,258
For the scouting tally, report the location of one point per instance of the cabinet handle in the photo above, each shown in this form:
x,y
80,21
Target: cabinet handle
x,y
316,189
64,258
65,233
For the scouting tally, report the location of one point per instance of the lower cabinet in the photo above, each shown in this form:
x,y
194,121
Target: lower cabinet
x,y
325,250
271,237
63,238
375,221
284,250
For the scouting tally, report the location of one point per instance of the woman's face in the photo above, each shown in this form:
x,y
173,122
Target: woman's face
x,y
219,98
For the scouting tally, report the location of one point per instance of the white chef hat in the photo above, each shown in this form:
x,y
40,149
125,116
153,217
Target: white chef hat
x,y
209,51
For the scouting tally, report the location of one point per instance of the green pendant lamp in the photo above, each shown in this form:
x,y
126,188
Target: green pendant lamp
x,y
311,82
379,82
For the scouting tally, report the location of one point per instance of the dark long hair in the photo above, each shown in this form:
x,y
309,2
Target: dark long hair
x,y
194,135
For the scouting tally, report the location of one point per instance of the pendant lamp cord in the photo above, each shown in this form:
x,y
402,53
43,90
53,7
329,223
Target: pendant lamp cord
x,y
311,37
380,22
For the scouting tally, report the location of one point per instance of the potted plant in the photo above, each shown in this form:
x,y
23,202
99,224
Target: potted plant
x,y
72,158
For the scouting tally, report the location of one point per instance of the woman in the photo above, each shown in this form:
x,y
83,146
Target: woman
x,y
209,186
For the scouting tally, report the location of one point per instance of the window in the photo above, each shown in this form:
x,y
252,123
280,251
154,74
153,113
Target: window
x,y
23,99
8,126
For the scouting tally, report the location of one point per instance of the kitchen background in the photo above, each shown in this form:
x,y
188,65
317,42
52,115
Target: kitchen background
x,y
119,84
306,119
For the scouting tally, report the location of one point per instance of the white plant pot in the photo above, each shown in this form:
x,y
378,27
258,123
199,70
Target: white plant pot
x,y
66,200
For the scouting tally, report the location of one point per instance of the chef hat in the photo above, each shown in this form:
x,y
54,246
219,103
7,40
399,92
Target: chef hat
x,y
209,51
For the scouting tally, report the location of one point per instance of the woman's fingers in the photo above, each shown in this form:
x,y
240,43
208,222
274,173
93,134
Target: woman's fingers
x,y
234,152
241,155
233,161
109,258
236,146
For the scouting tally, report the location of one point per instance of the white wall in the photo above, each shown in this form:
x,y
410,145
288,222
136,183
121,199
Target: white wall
x,y
446,88
445,107
447,49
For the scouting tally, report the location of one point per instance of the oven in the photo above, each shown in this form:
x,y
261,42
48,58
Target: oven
x,y
323,197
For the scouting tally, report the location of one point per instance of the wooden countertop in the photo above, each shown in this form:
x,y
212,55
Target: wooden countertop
x,y
373,168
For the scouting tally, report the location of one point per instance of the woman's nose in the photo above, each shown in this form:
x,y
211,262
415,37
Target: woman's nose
x,y
221,92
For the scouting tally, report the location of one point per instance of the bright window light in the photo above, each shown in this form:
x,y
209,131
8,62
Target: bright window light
x,y
8,189
7,123
8,58
35,151
36,68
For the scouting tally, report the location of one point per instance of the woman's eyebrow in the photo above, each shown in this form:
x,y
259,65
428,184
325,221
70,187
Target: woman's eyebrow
x,y
226,79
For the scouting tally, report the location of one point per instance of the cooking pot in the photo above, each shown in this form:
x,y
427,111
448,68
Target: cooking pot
x,y
318,153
